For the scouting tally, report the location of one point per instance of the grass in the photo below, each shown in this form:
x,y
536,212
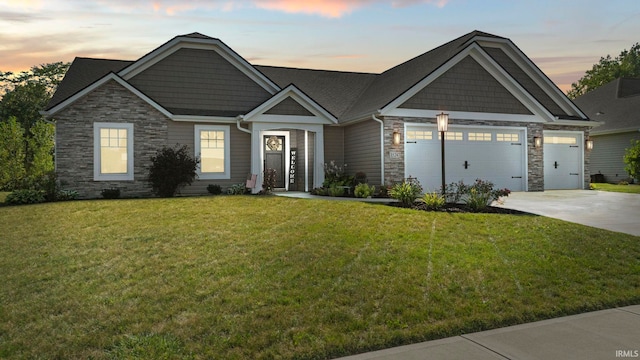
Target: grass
x,y
631,188
267,277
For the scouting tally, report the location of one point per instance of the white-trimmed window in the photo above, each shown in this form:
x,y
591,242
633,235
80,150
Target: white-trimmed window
x,y
509,137
567,140
112,151
452,135
479,136
212,146
419,135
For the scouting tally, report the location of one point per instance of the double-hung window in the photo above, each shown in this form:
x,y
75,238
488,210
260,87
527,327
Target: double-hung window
x,y
112,151
212,146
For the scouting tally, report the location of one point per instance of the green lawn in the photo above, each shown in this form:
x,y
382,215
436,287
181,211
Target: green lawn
x,y
267,277
631,188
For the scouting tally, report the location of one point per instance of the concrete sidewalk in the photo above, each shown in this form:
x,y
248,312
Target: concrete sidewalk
x,y
606,334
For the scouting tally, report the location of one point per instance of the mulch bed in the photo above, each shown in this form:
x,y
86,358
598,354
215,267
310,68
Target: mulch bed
x,y
462,208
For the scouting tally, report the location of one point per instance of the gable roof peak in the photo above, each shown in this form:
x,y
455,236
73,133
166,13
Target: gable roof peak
x,y
196,35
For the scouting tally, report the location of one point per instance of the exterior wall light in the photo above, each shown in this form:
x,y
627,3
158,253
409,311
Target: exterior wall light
x,y
537,142
589,144
396,137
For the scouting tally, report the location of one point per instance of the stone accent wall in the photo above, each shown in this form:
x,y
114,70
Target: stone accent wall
x,y
74,139
393,154
535,166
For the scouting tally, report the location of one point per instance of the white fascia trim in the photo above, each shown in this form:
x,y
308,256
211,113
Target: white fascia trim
x,y
477,53
465,115
216,45
321,115
204,119
100,82
532,70
577,123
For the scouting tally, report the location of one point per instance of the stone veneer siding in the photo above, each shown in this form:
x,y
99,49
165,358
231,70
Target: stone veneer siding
x,y
394,166
74,139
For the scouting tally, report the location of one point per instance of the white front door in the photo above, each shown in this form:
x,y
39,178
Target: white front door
x,y
563,160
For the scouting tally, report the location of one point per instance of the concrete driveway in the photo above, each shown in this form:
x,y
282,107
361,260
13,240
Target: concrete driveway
x,y
601,209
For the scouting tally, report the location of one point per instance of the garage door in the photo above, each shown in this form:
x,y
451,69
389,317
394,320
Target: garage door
x,y
487,153
562,160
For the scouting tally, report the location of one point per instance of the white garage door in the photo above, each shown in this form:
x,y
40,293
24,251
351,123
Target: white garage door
x,y
488,153
562,160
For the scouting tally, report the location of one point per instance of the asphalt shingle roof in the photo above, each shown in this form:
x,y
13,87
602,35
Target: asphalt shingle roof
x,y
616,103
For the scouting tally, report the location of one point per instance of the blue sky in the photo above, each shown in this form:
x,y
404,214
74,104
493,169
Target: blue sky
x,y
563,37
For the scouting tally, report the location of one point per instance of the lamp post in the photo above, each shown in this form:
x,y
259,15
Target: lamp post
x,y
443,122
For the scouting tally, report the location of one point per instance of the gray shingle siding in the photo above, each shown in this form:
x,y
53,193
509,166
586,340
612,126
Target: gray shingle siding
x,y
521,77
362,150
200,82
467,86
288,106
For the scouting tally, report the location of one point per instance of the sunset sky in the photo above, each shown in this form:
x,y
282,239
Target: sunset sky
x,y
563,37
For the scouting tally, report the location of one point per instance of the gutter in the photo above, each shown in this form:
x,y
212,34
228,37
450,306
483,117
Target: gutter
x,y
374,118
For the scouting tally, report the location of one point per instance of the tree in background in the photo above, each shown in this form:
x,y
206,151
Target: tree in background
x,y
632,159
627,64
26,156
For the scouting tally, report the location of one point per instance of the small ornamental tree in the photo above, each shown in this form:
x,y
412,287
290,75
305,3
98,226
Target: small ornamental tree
x,y
632,159
171,169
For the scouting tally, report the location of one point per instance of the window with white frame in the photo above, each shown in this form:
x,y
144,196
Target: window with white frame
x,y
451,135
419,135
512,137
112,151
566,140
479,136
212,146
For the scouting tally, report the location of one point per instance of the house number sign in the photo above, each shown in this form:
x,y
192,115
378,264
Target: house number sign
x,y
292,168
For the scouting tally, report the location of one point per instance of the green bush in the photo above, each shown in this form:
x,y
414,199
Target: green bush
x,y
363,190
335,191
171,169
336,175
406,192
433,201
66,195
237,189
632,159
214,189
112,193
20,197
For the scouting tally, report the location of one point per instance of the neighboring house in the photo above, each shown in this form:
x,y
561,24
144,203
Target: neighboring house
x,y
112,116
617,105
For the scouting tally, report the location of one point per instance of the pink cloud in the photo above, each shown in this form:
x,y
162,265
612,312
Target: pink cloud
x,y
328,8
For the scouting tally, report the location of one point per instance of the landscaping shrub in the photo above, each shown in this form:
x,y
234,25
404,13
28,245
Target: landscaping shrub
x,y
112,193
433,201
336,175
363,190
335,191
406,192
214,189
20,197
171,169
66,195
269,182
237,189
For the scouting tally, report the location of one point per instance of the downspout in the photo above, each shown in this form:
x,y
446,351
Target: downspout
x,y
238,119
373,116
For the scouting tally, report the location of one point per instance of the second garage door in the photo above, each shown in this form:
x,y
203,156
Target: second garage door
x,y
488,153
